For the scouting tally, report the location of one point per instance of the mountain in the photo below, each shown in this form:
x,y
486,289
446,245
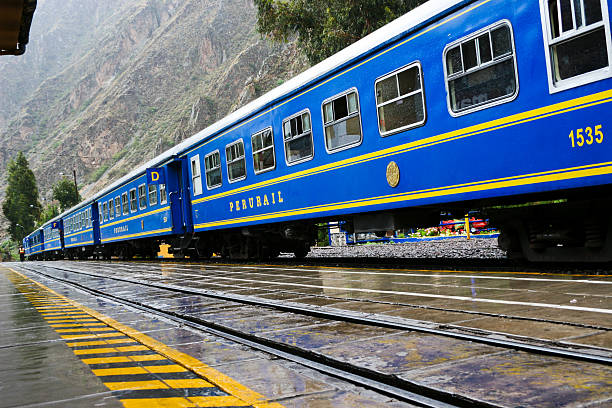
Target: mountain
x,y
106,85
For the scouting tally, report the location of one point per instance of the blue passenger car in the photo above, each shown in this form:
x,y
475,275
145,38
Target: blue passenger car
x,y
80,231
36,244
477,103
53,235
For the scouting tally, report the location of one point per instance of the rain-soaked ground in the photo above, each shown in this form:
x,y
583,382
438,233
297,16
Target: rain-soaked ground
x,y
557,310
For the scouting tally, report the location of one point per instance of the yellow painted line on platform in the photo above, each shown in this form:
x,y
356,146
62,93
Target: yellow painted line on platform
x,y
118,371
104,360
136,385
100,342
189,383
90,329
181,363
103,350
132,348
77,325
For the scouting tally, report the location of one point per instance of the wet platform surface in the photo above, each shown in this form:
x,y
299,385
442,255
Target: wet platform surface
x,y
569,309
64,348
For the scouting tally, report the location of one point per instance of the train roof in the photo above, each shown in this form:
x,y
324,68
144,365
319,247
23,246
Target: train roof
x,y
413,20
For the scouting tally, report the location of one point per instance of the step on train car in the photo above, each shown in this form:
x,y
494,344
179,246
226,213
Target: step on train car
x,y
496,105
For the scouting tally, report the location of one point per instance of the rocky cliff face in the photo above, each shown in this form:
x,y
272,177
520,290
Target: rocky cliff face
x,y
107,85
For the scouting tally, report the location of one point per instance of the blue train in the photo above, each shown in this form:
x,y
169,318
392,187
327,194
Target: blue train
x,y
500,105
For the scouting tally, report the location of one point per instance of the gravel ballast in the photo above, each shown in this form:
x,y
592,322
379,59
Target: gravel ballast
x,y
482,248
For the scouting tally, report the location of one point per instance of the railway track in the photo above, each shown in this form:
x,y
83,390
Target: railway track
x,y
116,276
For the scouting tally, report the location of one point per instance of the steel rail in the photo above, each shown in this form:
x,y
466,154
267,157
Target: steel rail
x,y
544,347
389,385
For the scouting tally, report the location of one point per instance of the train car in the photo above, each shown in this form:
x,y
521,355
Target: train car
x,y
136,214
80,231
26,247
35,245
366,135
53,239
495,105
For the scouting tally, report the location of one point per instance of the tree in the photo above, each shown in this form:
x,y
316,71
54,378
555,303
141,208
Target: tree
x,y
324,27
50,211
66,193
21,206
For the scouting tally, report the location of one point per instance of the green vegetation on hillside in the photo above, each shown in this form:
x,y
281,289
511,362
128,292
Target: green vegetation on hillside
x,y
324,27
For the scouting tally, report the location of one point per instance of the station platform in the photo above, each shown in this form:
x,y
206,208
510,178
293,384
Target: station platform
x,y
62,348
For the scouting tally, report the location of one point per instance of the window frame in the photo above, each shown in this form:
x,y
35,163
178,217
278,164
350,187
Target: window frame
x,y
140,199
471,36
227,162
398,71
105,210
335,121
165,201
100,213
220,169
287,119
582,79
253,152
192,160
135,200
119,212
111,209
149,194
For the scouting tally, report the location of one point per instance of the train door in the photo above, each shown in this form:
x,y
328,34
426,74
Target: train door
x,y
95,222
175,187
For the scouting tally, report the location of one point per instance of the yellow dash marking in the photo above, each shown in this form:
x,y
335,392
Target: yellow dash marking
x,y
152,357
189,383
57,308
136,385
228,401
79,320
120,341
95,351
89,336
106,360
119,371
91,329
78,325
157,403
132,348
88,343
173,368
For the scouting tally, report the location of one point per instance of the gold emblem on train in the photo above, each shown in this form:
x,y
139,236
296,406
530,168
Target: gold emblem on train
x,y
393,174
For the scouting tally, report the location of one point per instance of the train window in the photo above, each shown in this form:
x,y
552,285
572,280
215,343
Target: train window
x,y
133,201
105,210
117,206
163,198
152,194
263,151
400,101
342,121
196,175
88,215
297,134
212,167
111,209
142,197
125,203
236,163
100,213
481,69
577,39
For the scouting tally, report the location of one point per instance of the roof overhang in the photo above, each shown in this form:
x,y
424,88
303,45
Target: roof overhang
x,y
15,21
